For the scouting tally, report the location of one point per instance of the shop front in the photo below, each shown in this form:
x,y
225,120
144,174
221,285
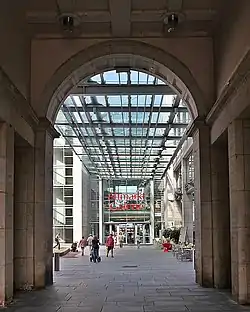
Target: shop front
x,y
127,213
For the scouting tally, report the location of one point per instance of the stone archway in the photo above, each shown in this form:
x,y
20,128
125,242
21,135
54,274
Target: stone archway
x,y
110,54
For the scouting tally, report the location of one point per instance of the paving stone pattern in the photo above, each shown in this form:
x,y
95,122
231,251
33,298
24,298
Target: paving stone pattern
x,y
144,280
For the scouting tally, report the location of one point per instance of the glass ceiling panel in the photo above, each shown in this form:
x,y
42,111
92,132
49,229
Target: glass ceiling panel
x,y
122,125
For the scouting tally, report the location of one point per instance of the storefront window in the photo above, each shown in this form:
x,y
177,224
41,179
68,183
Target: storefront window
x,y
126,210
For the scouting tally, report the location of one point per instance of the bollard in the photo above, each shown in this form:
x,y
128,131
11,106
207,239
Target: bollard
x,y
57,261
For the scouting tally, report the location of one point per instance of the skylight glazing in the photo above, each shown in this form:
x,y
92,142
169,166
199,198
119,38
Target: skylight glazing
x,y
124,124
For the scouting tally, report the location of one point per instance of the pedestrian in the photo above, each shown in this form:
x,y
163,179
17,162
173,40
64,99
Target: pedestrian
x,y
138,241
82,244
89,241
95,249
57,240
110,243
121,239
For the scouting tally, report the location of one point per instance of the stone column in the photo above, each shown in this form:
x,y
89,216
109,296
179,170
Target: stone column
x,y
101,211
24,215
221,215
239,183
152,211
203,205
6,211
187,205
164,212
43,218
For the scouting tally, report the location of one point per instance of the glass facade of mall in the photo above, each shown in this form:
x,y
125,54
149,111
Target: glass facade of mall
x,y
126,210
119,132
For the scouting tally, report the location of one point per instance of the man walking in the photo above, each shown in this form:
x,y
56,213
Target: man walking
x,y
57,240
110,243
95,250
83,243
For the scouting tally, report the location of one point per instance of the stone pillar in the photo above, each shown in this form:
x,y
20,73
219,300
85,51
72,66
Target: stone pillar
x,y
6,211
24,215
221,216
164,212
152,211
43,218
203,205
101,211
239,184
187,205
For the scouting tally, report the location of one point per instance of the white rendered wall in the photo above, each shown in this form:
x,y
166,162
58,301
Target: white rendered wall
x,y
85,202
172,213
77,198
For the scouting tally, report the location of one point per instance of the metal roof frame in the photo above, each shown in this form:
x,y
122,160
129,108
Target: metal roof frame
x,y
127,129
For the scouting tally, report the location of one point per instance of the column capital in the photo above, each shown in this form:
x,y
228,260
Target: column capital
x,y
197,124
45,125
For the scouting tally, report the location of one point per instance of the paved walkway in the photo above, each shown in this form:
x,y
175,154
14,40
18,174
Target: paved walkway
x,y
144,280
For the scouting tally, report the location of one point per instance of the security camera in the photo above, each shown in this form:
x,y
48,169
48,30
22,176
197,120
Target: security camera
x,y
67,22
173,21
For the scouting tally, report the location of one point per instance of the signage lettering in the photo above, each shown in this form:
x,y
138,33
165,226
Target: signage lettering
x,y
120,196
122,202
126,207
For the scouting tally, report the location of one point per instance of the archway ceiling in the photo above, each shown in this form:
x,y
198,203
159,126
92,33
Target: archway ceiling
x,y
124,18
123,124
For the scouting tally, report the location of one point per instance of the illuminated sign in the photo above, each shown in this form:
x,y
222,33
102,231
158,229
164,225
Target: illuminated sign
x,y
122,202
125,197
126,207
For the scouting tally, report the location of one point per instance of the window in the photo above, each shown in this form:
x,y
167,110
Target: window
x,y
69,221
68,152
69,181
68,191
69,212
68,172
68,160
190,167
68,201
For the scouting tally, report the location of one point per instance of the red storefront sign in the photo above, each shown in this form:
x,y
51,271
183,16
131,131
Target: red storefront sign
x,y
126,207
120,196
124,199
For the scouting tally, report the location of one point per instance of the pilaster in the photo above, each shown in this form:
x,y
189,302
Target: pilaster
x,y
221,216
43,197
24,216
6,211
239,184
203,204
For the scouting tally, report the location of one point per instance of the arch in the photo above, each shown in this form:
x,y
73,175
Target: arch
x,y
114,53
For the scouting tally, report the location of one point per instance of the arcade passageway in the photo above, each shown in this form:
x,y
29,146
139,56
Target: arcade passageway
x,y
144,280
130,117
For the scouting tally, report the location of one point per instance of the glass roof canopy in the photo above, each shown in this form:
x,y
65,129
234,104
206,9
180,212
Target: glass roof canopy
x,y
123,124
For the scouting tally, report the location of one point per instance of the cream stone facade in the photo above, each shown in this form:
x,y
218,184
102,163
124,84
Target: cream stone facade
x,y
206,63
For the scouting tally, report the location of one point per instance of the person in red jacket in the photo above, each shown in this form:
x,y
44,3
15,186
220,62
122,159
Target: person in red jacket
x,y
110,243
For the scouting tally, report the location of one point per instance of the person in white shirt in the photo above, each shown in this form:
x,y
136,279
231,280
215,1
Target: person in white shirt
x,y
89,241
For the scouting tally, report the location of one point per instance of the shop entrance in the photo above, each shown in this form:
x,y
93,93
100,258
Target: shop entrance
x,y
132,231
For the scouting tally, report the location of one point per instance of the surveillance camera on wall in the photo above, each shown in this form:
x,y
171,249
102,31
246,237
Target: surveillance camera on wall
x,y
172,20
69,22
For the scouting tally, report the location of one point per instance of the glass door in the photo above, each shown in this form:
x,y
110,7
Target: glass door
x,y
130,233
